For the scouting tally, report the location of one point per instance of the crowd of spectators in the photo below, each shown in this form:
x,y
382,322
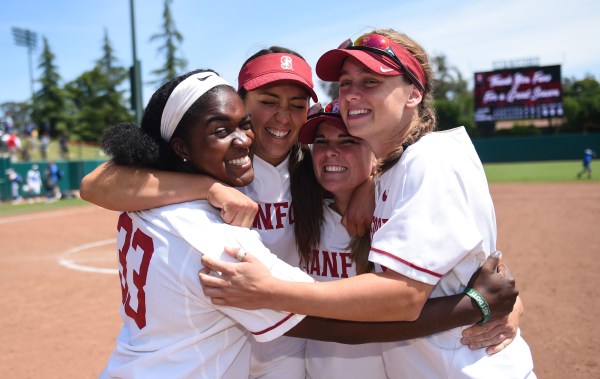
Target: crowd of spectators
x,y
19,144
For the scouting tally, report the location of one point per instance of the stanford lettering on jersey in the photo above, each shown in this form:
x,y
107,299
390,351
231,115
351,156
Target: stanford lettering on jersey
x,y
273,216
377,223
329,264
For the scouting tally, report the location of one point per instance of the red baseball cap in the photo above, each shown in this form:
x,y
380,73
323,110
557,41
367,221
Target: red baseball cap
x,y
276,67
376,52
331,114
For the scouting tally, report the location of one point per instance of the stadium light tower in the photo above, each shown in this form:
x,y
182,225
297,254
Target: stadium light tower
x,y
27,38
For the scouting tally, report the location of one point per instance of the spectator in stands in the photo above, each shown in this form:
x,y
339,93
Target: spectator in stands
x,y
64,145
33,184
44,142
15,183
13,144
52,177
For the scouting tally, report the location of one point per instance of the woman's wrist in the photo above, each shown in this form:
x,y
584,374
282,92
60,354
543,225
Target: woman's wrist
x,y
481,303
208,188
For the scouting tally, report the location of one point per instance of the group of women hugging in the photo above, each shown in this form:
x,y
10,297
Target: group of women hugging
x,y
265,236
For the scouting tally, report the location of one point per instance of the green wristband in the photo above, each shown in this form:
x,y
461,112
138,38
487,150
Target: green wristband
x,y
481,303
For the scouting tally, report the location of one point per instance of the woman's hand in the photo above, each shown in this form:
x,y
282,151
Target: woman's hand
x,y
236,208
495,283
242,285
494,335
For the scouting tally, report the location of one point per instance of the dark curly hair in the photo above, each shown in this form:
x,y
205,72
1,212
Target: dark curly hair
x,y
143,146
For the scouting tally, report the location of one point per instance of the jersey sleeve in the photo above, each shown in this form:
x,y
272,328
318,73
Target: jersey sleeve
x,y
210,238
263,324
430,228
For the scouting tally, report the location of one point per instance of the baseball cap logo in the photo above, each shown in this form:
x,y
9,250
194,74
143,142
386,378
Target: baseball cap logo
x,y
286,63
383,69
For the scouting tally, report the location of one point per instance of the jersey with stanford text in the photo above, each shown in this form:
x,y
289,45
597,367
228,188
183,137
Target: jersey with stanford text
x,y
170,328
332,261
274,221
270,189
435,223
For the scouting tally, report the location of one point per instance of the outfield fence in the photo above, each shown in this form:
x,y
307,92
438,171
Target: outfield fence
x,y
538,148
73,171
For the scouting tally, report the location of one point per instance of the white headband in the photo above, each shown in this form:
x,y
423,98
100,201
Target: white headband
x,y
182,98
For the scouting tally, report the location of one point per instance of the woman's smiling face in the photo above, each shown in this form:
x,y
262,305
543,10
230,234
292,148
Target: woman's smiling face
x,y
341,162
278,112
218,144
374,107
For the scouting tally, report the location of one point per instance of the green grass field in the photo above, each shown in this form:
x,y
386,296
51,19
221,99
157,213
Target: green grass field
x,y
7,209
540,172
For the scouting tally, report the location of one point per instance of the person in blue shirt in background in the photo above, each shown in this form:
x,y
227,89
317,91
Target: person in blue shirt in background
x,y
52,176
588,155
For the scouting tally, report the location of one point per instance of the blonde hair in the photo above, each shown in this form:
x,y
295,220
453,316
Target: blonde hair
x,y
427,120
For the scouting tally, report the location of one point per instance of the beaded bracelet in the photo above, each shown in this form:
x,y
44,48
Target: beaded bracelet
x,y
481,303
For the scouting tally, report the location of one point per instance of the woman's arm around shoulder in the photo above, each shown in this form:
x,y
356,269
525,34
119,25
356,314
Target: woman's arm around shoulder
x,y
128,188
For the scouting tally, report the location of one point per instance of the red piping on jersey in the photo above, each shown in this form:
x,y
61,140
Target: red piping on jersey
x,y
274,326
407,263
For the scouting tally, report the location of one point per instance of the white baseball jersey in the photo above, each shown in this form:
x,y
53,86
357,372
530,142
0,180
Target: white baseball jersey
x,y
283,357
434,222
274,220
34,181
332,261
170,329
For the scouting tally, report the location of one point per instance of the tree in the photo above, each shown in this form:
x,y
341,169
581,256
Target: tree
x,y
453,100
20,113
581,102
108,63
448,81
94,97
49,100
171,38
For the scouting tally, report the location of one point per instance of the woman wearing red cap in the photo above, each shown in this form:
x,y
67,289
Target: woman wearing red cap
x,y
341,163
433,226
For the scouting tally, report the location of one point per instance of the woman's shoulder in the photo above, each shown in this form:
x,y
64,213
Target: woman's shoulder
x,y
440,147
198,211
443,138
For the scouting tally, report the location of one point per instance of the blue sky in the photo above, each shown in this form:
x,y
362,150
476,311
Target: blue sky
x,y
222,34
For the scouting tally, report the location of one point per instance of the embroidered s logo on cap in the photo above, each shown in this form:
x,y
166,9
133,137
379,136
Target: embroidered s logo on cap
x,y
286,63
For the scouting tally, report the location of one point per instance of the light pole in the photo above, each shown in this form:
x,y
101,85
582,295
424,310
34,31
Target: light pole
x,y
27,38
135,73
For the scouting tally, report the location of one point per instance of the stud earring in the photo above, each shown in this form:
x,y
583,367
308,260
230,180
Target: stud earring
x,y
184,160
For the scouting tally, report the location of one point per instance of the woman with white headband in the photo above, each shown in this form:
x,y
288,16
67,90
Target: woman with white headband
x,y
195,123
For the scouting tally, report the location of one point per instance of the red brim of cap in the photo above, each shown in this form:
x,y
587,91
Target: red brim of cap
x,y
309,129
329,66
276,77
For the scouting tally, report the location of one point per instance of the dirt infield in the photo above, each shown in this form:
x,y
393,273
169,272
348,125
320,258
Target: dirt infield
x,y
59,314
